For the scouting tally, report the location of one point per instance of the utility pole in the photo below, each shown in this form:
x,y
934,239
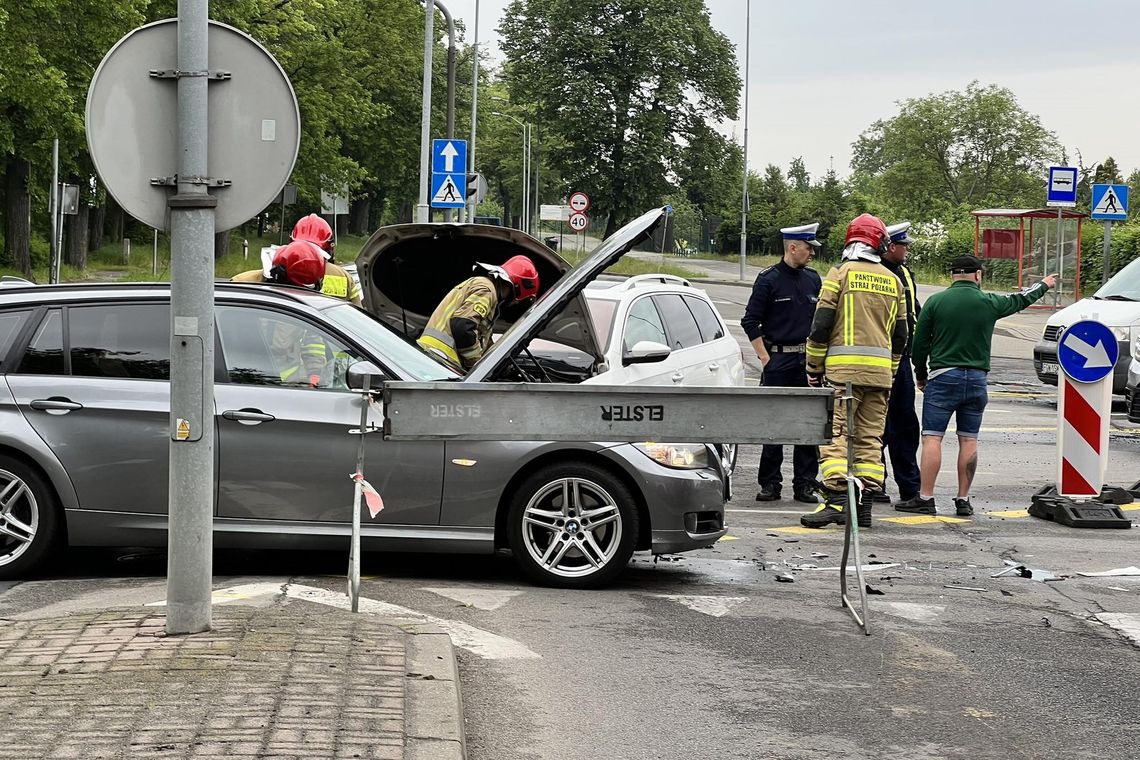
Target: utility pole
x,y
474,115
191,502
423,206
744,194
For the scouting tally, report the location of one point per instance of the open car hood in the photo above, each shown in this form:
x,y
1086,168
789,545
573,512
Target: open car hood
x,y
552,305
405,270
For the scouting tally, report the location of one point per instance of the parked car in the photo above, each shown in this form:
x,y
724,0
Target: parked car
x,y
1116,304
84,436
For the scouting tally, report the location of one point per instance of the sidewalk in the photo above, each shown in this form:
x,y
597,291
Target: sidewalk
x,y
281,681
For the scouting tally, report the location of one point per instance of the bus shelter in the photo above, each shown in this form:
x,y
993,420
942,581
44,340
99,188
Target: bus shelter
x,y
1021,245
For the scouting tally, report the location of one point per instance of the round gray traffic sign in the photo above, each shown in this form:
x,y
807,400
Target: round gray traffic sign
x,y
132,127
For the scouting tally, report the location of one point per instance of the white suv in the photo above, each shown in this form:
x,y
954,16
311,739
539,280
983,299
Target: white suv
x,y
658,329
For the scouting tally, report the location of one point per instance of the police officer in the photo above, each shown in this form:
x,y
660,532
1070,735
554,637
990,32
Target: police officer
x,y
900,439
777,322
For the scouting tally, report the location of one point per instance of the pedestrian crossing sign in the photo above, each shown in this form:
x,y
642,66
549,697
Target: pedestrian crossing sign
x,y
446,190
1110,202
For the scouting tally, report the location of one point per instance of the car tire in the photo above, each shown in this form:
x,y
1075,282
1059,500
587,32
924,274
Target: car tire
x,y
572,525
29,519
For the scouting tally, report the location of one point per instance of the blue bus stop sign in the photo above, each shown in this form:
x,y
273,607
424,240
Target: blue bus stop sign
x,y
1087,351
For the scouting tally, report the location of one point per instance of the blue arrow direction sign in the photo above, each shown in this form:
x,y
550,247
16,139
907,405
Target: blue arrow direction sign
x,y
448,156
1110,202
447,190
1062,187
1087,351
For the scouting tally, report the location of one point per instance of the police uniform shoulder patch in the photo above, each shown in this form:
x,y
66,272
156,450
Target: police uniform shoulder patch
x,y
766,270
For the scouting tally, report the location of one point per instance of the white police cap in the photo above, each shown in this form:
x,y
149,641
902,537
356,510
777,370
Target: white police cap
x,y
805,233
899,233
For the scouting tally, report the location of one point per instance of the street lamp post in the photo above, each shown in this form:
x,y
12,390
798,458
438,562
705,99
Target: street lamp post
x,y
524,224
474,201
744,194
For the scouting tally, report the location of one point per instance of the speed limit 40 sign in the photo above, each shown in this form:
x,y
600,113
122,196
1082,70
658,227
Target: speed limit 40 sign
x,y
578,221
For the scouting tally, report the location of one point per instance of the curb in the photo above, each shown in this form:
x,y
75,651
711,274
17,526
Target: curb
x,y
433,704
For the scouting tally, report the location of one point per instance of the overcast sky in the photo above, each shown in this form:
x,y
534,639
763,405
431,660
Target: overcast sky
x,y
823,70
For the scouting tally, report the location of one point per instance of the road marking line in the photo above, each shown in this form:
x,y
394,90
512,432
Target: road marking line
x,y
804,531
762,511
1125,623
924,520
714,606
919,613
729,538
1009,513
1129,507
479,598
489,646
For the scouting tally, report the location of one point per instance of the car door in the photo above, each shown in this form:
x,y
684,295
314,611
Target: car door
x,y
94,384
691,363
725,365
644,322
285,452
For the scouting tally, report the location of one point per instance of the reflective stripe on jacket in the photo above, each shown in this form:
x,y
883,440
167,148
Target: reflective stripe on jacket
x,y
474,299
338,283
860,328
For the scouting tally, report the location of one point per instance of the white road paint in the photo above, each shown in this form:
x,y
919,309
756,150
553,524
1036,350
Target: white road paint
x,y
1126,624
489,646
714,606
919,613
479,598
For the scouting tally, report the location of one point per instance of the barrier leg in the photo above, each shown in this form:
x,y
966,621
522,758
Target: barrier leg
x,y
851,533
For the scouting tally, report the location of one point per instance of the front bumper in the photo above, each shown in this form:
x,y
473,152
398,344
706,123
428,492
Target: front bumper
x,y
1045,353
686,507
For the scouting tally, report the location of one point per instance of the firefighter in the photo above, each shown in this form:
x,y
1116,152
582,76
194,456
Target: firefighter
x,y
303,355
460,329
858,336
777,321
337,282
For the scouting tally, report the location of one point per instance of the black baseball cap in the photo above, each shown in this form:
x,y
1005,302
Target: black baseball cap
x,y
966,264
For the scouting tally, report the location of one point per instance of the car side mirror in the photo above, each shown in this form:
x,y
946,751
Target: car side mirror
x,y
356,373
646,352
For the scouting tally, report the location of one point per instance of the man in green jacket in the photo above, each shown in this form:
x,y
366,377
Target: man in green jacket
x,y
951,358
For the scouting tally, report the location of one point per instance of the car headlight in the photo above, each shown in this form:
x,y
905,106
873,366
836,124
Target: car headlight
x,y
682,456
1134,339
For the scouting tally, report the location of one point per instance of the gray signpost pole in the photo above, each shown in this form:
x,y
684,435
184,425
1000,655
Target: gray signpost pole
x,y
1107,249
471,205
53,204
744,194
423,207
190,557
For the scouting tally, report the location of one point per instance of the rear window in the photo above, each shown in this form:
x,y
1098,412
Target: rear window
x,y
121,340
10,324
707,320
44,355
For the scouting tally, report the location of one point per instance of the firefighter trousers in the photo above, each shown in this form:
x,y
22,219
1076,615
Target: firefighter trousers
x,y
870,418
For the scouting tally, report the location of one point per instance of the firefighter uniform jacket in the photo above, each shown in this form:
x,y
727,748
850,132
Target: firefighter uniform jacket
x,y
859,331
473,302
338,283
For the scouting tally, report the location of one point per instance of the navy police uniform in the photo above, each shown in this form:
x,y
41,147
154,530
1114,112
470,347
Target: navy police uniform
x,y
901,436
781,309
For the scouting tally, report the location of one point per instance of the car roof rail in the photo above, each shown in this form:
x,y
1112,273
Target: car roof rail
x,y
663,279
11,280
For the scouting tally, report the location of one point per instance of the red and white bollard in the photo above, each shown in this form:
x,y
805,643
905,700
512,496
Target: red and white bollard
x,y
1087,353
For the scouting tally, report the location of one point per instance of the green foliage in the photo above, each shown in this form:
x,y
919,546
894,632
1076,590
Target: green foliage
x,y
621,86
946,154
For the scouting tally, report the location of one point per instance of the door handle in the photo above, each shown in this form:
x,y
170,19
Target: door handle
x,y
55,405
248,416
714,367
678,377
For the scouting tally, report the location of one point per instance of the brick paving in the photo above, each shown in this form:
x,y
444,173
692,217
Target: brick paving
x,y
266,682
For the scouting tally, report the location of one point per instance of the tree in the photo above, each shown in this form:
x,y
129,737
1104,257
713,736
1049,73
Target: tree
x,y
956,150
621,85
799,176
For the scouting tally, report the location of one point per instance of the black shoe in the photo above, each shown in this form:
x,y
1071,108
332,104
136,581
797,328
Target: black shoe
x,y
963,507
824,516
768,493
805,495
917,506
880,497
866,506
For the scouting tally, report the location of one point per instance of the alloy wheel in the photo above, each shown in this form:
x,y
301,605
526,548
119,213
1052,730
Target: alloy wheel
x,y
572,527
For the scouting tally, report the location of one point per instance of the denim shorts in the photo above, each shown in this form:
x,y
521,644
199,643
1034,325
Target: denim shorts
x,y
960,392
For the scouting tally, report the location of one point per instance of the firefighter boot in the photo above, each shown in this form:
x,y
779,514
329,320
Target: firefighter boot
x,y
867,501
833,510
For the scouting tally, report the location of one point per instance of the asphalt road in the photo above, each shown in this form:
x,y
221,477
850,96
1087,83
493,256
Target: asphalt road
x,y
708,655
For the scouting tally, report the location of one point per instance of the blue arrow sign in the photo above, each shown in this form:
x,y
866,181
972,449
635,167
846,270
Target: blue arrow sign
x,y
448,156
1110,202
1087,351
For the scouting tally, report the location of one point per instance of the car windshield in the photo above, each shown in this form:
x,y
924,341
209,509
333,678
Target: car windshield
x,y
602,313
387,343
1124,285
